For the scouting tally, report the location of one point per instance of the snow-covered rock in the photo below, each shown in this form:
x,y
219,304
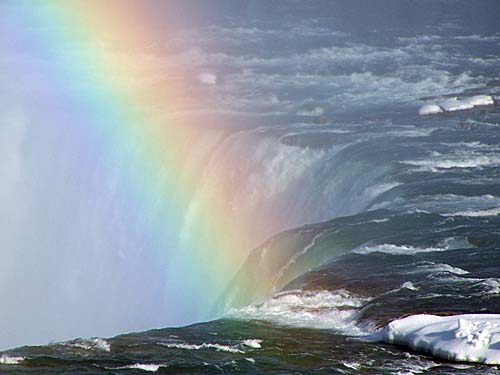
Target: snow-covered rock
x,y
469,338
480,100
429,109
454,104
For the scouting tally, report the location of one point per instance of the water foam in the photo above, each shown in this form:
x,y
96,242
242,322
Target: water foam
x,y
479,213
94,343
150,367
11,360
253,343
459,160
311,309
435,268
216,347
409,285
396,249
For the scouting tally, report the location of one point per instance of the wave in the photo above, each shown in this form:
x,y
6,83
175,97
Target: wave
x,y
438,269
313,309
11,360
480,213
95,343
149,367
444,162
396,249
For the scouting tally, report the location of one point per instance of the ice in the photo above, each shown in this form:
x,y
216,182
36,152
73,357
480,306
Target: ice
x,y
454,104
479,100
466,338
429,109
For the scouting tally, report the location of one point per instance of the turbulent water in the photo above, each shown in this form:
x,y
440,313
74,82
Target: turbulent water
x,y
394,213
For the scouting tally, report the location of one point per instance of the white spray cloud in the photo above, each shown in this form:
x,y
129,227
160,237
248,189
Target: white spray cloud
x,y
12,132
207,78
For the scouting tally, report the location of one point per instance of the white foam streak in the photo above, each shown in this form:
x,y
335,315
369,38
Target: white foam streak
x,y
437,268
396,249
480,213
216,347
460,160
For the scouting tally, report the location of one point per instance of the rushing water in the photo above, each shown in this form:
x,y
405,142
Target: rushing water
x,y
394,213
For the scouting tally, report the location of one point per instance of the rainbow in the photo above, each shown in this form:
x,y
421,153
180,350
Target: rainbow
x,y
129,103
